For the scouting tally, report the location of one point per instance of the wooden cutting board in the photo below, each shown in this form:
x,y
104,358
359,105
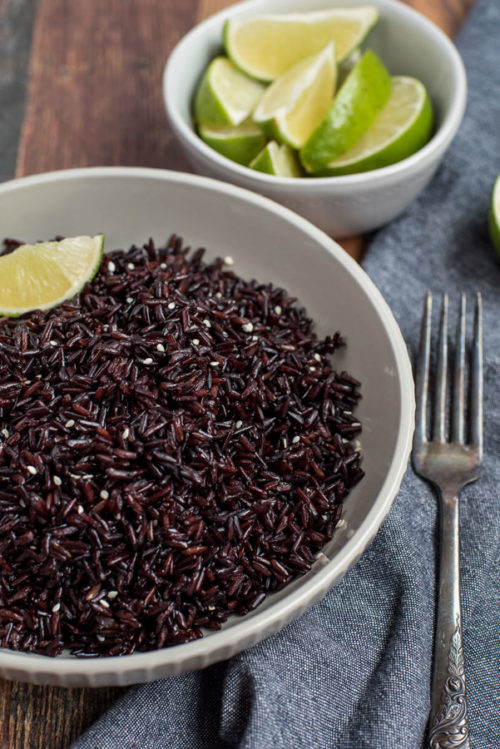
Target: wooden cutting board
x,y
94,98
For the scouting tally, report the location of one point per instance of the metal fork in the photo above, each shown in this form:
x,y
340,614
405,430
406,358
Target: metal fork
x,y
449,465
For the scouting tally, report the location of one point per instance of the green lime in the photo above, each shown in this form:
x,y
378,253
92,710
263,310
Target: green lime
x,y
267,46
40,276
354,109
225,96
280,160
495,215
296,102
403,126
241,144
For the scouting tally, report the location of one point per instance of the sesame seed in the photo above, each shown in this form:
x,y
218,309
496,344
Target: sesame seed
x,y
229,260
211,608
112,594
70,423
80,509
5,433
195,342
104,603
247,327
238,424
147,361
100,638
129,300
207,323
317,357
38,376
255,338
214,363
126,433
163,266
296,439
355,424
53,343
111,266
218,294
342,523
56,608
57,481
130,266
104,494
160,347
278,309
32,470
285,442
22,503
171,305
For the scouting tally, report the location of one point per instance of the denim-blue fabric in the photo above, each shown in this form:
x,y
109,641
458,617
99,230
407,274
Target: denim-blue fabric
x,y
354,672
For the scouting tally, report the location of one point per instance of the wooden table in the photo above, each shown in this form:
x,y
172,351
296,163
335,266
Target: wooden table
x,y
80,85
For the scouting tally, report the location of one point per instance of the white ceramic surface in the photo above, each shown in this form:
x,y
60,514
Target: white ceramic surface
x,y
407,42
267,242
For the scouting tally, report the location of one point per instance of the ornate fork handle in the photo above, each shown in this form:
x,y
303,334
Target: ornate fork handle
x,y
448,725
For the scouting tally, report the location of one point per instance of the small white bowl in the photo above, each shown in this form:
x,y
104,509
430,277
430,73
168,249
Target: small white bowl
x,y
270,243
407,42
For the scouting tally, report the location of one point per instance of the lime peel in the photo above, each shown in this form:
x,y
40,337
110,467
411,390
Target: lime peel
x,y
225,96
280,160
402,127
494,216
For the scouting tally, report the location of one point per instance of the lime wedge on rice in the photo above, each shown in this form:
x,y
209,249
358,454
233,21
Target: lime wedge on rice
x,y
240,144
495,215
403,126
296,102
280,160
359,100
225,96
40,276
267,46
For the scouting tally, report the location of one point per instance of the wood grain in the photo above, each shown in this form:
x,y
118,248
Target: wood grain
x,y
94,98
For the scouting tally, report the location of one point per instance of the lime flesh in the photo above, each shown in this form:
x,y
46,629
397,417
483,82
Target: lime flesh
x,y
265,47
225,96
294,105
280,160
240,144
40,276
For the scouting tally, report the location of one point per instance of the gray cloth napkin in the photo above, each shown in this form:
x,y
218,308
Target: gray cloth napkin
x,y
354,672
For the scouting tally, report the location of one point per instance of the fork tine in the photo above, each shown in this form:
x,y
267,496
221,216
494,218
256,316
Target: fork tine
x,y
441,374
457,416
477,378
422,375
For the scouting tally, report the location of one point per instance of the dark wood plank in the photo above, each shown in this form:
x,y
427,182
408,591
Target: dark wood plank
x,y
95,84
94,98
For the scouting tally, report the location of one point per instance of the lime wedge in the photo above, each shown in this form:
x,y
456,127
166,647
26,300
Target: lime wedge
x,y
40,276
280,160
355,107
225,96
403,126
495,215
294,105
240,144
267,46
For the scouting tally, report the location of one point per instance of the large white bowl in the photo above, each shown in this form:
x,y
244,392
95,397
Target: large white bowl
x,y
267,242
406,41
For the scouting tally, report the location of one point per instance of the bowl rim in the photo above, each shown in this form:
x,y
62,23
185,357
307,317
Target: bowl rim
x,y
424,156
245,630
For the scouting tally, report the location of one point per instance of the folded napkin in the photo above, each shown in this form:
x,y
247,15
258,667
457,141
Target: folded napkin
x,y
354,672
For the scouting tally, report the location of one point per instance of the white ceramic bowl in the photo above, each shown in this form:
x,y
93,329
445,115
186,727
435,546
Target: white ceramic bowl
x,y
406,41
267,242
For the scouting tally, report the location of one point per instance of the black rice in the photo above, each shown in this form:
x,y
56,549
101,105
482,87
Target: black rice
x,y
174,444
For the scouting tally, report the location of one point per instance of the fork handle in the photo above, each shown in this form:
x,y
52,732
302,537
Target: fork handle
x,y
448,724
